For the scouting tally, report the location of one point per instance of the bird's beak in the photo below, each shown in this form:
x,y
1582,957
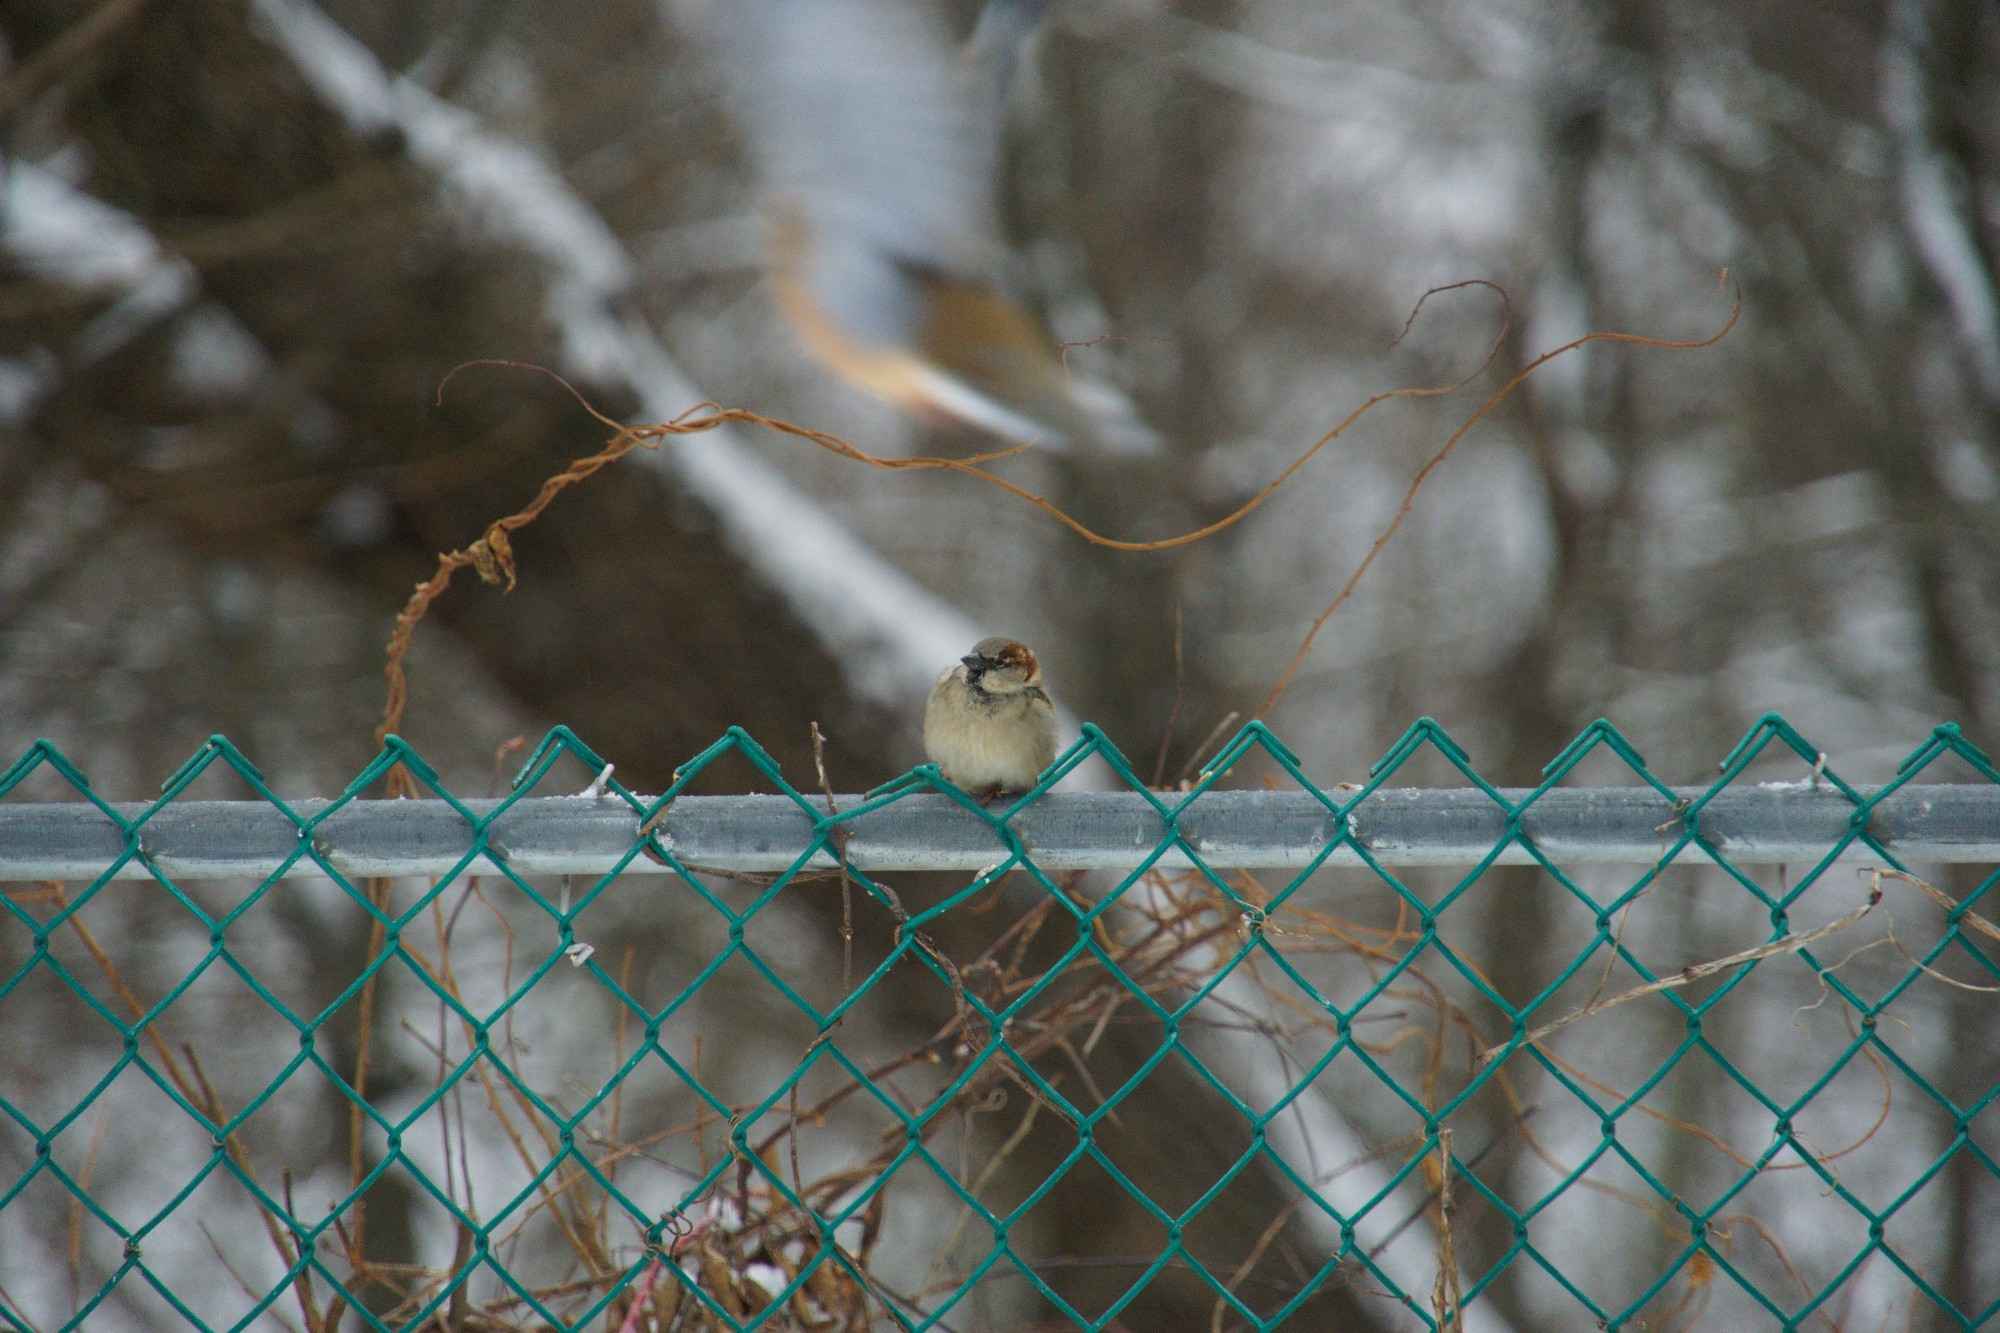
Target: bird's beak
x,y
974,662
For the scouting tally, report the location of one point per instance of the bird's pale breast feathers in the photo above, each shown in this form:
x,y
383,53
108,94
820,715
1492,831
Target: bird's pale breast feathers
x,y
988,724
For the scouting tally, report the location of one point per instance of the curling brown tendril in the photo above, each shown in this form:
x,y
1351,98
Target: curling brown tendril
x,y
1431,464
492,557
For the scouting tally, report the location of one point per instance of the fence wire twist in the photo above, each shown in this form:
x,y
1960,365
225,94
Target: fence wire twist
x,y
820,1100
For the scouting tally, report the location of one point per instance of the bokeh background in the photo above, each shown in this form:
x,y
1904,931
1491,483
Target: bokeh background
x,y
242,244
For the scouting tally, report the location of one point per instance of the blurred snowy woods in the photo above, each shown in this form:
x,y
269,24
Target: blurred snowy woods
x,y
231,299
243,241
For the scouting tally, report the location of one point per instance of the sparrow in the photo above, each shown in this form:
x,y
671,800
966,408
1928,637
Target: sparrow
x,y
878,147
989,725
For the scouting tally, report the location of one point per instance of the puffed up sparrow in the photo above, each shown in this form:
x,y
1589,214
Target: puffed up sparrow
x,y
989,724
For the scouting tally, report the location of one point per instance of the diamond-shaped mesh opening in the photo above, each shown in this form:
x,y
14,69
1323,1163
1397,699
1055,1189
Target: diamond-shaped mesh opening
x,y
238,1039
1378,899
628,908
487,1142
1172,1134
290,1128
1541,1285
409,1243
1284,900
551,1022
734,1070
288,941
1270,1248
651,934
797,937
1697,1130
1349,1130
1384,1071
1088,1239
1023,1129
220,1217
1784,1235
1877,1131
1511,930
1787,1064
58,1049
1968,964
1690,912
1607,1232
60,1252
139,1177
944,990
1814,900
654,1136
497,939
125,945
933,1239
853,925
832,1128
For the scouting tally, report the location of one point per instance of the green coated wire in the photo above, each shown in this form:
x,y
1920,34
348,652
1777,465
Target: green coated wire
x,y
44,1153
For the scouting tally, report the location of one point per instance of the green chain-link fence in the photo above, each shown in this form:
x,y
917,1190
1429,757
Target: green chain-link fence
x,y
1364,1092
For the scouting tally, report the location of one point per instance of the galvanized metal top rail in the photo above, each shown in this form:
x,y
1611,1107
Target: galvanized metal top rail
x,y
586,835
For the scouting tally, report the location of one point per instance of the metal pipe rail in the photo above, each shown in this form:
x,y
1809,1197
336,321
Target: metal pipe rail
x,y
586,835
